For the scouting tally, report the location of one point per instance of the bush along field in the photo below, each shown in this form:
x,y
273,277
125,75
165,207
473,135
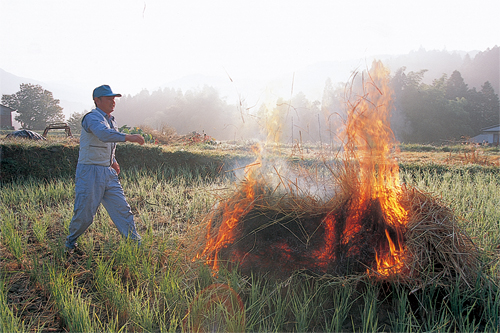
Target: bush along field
x,y
47,160
111,284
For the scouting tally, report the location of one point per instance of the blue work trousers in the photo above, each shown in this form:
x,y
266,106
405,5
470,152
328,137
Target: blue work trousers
x,y
95,184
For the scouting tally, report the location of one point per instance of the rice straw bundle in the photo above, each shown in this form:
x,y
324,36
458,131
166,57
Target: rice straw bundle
x,y
281,232
440,252
368,224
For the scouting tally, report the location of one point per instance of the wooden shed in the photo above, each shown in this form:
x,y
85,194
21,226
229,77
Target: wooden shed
x,y
6,117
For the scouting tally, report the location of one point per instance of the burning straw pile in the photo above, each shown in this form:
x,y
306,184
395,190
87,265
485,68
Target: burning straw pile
x,y
367,224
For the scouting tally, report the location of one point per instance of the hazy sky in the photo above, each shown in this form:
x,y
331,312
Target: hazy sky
x,y
135,44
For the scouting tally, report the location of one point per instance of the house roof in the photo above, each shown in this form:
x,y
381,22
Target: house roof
x,y
495,128
6,108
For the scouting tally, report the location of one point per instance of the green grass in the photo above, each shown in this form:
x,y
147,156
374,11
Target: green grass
x,y
457,148
75,309
9,322
116,286
474,196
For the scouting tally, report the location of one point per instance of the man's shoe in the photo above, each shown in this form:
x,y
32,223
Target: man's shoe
x,y
74,249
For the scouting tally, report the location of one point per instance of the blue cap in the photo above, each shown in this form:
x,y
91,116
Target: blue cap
x,y
104,90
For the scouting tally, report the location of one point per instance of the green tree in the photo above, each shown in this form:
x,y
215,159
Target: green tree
x,y
333,109
406,99
475,109
490,104
307,119
429,115
75,121
483,107
35,105
456,87
405,87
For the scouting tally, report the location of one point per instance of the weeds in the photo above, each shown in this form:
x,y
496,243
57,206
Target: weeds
x,y
40,227
8,320
111,292
341,306
492,308
369,317
11,237
402,319
74,309
115,285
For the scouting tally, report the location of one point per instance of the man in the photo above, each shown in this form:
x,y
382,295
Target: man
x,y
97,171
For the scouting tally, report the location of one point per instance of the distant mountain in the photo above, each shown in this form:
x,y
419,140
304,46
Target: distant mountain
x,y
71,98
475,66
9,83
309,80
484,66
227,88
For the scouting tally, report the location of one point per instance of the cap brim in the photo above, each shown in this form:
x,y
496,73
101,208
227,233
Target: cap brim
x,y
110,95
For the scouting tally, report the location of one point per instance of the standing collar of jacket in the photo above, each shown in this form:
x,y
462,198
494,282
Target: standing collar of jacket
x,y
105,114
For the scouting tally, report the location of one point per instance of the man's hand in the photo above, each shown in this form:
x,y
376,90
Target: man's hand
x,y
134,138
116,166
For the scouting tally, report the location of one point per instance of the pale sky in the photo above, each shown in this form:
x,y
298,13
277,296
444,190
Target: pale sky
x,y
135,44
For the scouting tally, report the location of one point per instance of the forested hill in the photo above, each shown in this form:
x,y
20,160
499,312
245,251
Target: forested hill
x,y
476,67
439,97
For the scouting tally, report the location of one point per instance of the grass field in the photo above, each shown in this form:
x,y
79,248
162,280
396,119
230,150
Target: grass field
x,y
113,285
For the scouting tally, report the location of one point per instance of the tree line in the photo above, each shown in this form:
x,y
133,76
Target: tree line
x,y
445,110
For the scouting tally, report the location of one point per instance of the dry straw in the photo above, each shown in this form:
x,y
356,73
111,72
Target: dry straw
x,y
439,252
282,227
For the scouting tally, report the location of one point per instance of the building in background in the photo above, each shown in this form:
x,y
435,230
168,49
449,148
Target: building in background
x,y
489,136
6,117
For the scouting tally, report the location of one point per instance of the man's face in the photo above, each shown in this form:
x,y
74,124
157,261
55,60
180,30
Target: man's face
x,y
106,103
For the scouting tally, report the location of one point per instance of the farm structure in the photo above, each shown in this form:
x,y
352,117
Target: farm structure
x,y
63,126
6,117
489,136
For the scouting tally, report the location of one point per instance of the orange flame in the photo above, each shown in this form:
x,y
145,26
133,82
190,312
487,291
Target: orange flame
x,y
369,142
390,263
372,175
325,254
233,210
